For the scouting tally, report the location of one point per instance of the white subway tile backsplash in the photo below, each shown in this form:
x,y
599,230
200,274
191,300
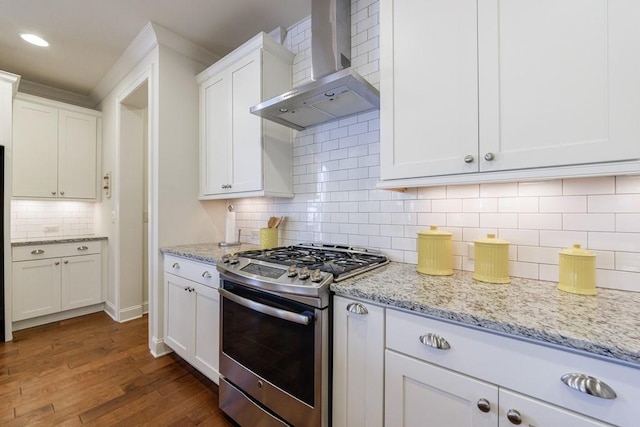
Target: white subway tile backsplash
x,y
628,184
563,204
627,242
627,261
337,166
542,221
540,188
586,186
29,218
628,222
624,203
589,222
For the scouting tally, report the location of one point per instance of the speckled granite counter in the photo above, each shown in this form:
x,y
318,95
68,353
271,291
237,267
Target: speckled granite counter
x,y
52,240
607,324
205,252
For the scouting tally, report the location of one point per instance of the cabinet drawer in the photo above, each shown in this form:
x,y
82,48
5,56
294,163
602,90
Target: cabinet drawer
x,y
529,367
55,250
199,272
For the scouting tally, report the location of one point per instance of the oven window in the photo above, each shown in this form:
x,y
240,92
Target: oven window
x,y
280,351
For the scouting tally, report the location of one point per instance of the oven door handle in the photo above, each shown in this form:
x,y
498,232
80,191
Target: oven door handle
x,y
265,309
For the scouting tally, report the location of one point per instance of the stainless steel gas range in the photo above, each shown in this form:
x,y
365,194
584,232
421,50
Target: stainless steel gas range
x,y
274,331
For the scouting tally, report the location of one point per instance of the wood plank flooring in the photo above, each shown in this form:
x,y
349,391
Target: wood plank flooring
x,y
93,371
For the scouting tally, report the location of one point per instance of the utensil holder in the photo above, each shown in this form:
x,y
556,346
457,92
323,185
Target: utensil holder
x,y
268,238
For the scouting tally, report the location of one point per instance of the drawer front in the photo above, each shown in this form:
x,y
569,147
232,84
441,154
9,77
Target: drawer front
x,y
199,272
55,250
531,368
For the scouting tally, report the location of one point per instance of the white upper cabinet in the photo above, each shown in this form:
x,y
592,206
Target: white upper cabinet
x,y
506,90
55,150
242,155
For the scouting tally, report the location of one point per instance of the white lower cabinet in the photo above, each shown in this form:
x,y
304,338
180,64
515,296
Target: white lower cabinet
x,y
421,394
52,278
192,313
358,363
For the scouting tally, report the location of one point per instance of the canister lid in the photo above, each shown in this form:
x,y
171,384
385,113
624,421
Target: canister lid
x,y
492,239
576,250
433,231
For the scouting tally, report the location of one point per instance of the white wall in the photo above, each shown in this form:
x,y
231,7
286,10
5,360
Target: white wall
x,y
337,165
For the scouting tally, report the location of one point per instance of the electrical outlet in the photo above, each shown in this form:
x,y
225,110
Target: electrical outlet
x,y
470,251
51,228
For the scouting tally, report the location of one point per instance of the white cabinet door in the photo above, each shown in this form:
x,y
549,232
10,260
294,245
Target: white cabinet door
x,y
418,394
215,154
207,330
429,86
36,288
245,78
77,155
558,82
534,413
358,364
35,150
180,314
81,281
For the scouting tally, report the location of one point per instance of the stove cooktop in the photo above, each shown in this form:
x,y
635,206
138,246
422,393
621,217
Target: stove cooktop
x,y
339,261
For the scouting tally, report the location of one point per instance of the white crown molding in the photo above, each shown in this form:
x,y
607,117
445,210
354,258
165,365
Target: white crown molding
x,y
148,39
55,94
12,79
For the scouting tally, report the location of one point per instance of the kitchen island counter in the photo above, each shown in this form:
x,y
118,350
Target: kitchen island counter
x,y
605,325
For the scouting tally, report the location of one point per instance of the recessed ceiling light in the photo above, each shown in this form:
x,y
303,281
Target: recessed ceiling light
x,y
33,39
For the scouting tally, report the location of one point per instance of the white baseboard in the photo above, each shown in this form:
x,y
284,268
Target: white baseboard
x,y
110,309
130,313
56,317
158,347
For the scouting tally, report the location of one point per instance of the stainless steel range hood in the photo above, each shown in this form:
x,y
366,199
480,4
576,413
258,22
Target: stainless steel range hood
x,y
335,91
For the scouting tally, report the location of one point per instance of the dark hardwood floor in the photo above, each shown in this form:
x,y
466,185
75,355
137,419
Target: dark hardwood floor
x,y
92,370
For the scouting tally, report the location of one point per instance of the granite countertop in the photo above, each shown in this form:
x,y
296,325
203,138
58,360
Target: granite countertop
x,y
52,240
606,325
206,252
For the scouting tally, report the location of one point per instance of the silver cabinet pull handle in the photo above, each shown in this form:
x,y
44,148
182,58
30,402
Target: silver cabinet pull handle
x,y
489,157
469,158
83,248
435,341
514,416
176,265
206,275
589,385
484,405
37,252
53,193
62,193
56,263
357,308
66,262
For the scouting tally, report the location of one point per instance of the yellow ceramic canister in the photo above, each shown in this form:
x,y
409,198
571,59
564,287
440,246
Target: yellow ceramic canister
x,y
577,272
491,263
434,252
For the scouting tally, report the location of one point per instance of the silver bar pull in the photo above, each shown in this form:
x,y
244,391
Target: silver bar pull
x,y
589,385
83,248
357,308
266,309
435,341
206,275
37,252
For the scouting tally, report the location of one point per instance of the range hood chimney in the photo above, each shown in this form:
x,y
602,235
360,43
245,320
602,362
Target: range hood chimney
x,y
335,90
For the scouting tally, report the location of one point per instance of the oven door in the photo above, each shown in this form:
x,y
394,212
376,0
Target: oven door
x,y
275,351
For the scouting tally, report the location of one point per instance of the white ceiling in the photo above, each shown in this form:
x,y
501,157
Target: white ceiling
x,y
88,36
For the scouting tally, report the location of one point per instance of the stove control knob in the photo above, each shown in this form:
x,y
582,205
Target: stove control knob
x,y
225,258
233,259
292,271
303,274
316,276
